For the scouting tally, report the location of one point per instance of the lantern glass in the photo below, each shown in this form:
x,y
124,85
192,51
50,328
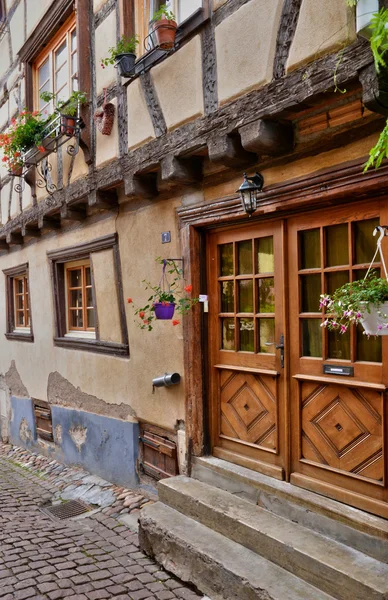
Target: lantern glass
x,y
249,200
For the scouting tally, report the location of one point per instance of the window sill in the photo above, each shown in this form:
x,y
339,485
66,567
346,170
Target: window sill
x,y
157,55
92,345
85,335
20,336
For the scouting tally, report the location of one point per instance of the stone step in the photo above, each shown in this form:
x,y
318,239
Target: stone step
x,y
335,568
216,565
355,528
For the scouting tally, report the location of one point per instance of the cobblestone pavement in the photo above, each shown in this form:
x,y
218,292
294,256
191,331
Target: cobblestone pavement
x,y
89,559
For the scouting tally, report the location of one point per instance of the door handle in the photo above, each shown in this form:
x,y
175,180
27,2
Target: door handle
x,y
280,347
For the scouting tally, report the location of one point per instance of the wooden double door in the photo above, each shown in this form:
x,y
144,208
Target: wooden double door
x,y
287,397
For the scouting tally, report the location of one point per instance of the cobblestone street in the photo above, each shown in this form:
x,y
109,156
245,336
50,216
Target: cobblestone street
x,y
89,559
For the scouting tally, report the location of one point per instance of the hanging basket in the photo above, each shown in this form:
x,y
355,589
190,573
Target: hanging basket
x,y
371,321
164,311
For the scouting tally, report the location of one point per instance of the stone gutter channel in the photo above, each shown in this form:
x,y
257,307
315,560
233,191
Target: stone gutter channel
x,y
76,484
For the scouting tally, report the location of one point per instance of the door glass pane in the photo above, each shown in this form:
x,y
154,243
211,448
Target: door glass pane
x,y
245,258
226,259
310,253
91,319
265,255
311,337
364,242
266,295
227,296
245,296
369,350
267,336
310,291
337,248
336,280
228,334
247,343
339,345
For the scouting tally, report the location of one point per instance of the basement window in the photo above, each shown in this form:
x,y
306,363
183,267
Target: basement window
x,y
19,325
158,452
43,420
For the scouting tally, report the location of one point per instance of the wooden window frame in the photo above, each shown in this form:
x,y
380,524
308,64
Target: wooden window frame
x,y
13,331
84,252
84,308
65,33
25,310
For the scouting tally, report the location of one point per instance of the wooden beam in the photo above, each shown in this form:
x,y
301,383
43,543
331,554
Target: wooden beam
x,y
180,171
375,89
84,12
267,138
29,231
140,186
14,239
286,32
103,200
46,223
73,214
228,150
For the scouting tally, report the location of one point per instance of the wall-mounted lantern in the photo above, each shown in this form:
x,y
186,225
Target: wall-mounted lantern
x,y
249,190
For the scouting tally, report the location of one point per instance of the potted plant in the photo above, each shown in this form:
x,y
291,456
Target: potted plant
x,y
164,27
123,56
168,297
25,132
68,109
364,301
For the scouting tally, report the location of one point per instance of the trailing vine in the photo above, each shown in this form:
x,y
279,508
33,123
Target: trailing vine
x,y
379,46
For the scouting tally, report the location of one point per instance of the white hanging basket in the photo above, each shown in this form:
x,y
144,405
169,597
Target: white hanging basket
x,y
365,10
372,320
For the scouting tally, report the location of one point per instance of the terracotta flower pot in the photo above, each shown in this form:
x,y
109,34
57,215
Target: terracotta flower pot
x,y
17,170
165,32
164,310
67,125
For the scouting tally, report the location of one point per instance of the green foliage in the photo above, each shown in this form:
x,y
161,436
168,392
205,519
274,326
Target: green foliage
x,y
351,2
163,11
24,132
349,302
379,151
379,37
168,291
124,46
68,107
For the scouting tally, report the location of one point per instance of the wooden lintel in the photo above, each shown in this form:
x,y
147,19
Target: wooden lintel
x,y
103,200
72,214
140,186
178,170
228,150
267,138
48,223
14,239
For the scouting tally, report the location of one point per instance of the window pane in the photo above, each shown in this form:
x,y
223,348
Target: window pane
x,y
76,319
73,40
310,291
311,337
310,253
19,302
265,256
267,336
44,73
245,296
227,296
19,286
186,8
245,258
336,280
61,55
20,318
61,84
339,345
369,350
337,248
75,279
76,299
91,318
28,318
89,297
266,295
247,336
227,334
226,259
364,242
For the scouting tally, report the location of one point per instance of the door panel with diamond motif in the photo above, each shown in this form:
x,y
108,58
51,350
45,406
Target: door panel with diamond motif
x,y
338,422
245,269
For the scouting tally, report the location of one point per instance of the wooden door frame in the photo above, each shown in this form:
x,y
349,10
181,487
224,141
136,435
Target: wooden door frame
x,y
340,184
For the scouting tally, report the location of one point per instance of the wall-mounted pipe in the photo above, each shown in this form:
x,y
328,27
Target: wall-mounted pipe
x,y
166,380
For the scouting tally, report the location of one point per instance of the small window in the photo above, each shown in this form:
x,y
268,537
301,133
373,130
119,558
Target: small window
x,y
80,298
19,324
56,68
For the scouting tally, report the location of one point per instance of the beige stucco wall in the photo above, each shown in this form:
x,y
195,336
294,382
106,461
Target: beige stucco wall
x,y
245,45
4,53
35,11
108,311
112,379
105,38
140,128
4,114
178,84
108,145
322,27
4,196
16,25
97,4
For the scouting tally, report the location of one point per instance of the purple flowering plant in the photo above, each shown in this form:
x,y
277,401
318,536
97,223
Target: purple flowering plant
x,y
347,305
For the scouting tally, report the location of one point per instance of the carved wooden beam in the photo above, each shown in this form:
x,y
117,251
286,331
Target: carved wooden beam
x,y
73,214
174,170
374,89
140,186
29,231
228,150
267,138
14,239
103,200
